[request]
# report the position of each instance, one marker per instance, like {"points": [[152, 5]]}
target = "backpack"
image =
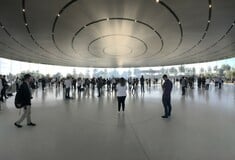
{"points": [[18, 99]]}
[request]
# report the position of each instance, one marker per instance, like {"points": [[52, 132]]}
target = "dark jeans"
{"points": [[183, 90], [142, 87], [121, 102], [220, 85], [166, 100], [99, 91], [3, 93], [67, 90]]}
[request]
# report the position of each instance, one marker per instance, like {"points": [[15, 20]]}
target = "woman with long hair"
{"points": [[121, 93]]}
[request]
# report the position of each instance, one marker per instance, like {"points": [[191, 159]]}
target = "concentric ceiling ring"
{"points": [[74, 1], [117, 50], [119, 19]]}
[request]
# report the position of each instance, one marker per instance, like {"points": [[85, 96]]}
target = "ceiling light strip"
{"points": [[55, 56], [16, 52], [179, 23], [16, 41], [214, 53], [204, 34], [220, 39], [13, 56], [202, 53], [205, 31], [55, 22]]}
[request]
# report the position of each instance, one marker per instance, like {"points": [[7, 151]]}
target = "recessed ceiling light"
{"points": [[135, 20], [210, 6], [58, 15], [179, 22], [23, 10], [157, 1], [209, 21], [107, 19], [26, 24]]}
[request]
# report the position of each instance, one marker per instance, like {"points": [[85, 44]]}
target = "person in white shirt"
{"points": [[121, 94], [207, 83], [67, 84]]}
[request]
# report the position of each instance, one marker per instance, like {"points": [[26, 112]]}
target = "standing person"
{"points": [[99, 86], [203, 81], [57, 82], [79, 84], [67, 84], [43, 80], [199, 82], [121, 94], [93, 82], [1, 87], [5, 86], [17, 83], [220, 81], [26, 97], [207, 83], [142, 84], [114, 83], [74, 81], [1, 99], [149, 82], [166, 96], [183, 85]]}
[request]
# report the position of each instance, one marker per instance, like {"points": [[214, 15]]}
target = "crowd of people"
{"points": [[119, 86], [202, 82]]}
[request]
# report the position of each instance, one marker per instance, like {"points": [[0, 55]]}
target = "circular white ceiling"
{"points": [[117, 33]]}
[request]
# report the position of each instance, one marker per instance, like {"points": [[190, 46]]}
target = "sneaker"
{"points": [[164, 116], [31, 124], [18, 125]]}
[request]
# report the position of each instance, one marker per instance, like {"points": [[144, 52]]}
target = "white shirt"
{"points": [[207, 81], [121, 90], [67, 83]]}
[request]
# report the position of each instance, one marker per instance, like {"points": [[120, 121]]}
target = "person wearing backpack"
{"points": [[26, 97]]}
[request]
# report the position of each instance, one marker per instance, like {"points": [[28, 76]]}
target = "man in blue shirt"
{"points": [[166, 96]]}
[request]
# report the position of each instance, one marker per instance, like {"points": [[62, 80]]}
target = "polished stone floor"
{"points": [[202, 127]]}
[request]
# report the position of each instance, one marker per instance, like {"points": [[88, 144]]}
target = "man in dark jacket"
{"points": [[166, 96], [26, 97], [99, 85], [142, 84], [4, 85]]}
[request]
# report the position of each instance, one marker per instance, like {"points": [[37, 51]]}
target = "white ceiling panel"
{"points": [[117, 33]]}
